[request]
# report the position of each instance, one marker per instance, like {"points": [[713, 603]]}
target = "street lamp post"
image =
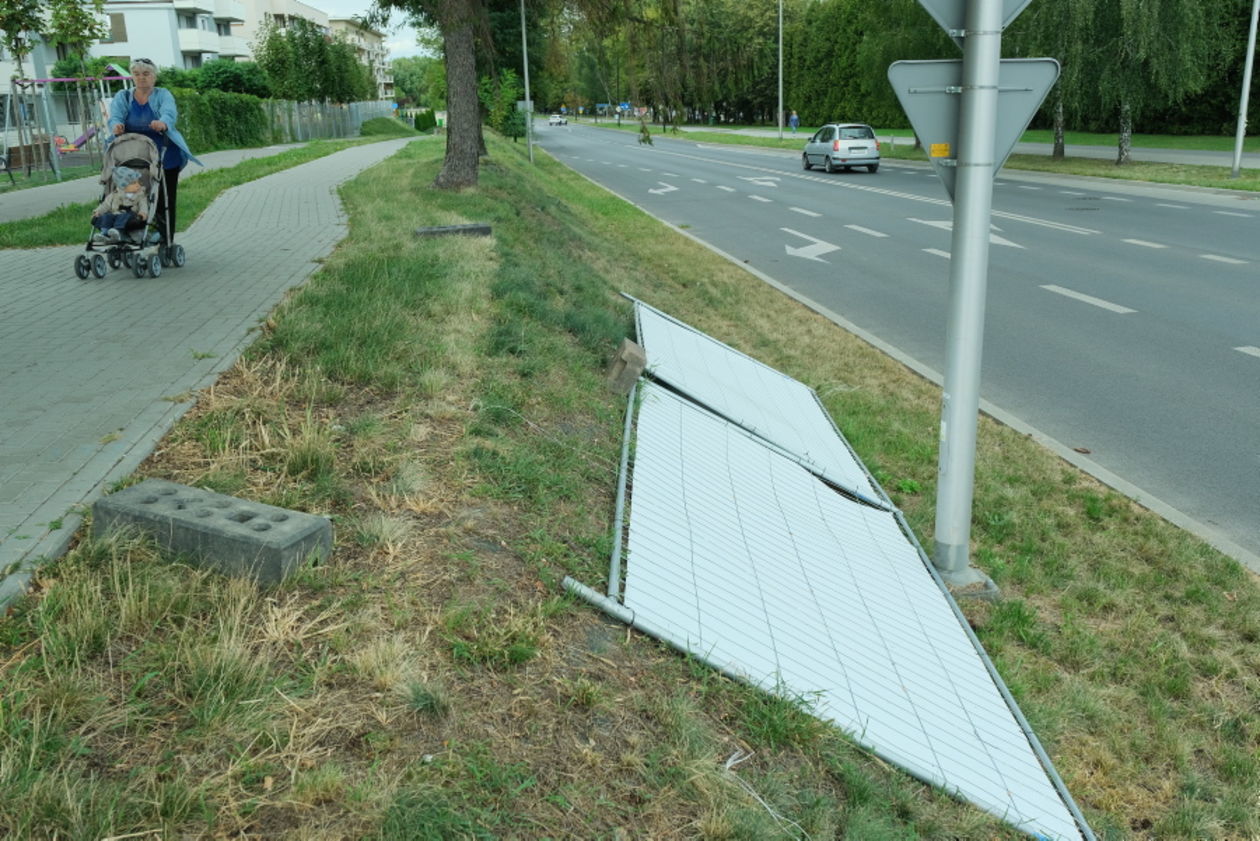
{"points": [[1246, 90], [529, 103], [780, 69]]}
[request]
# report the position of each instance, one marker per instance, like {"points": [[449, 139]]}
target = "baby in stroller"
{"points": [[127, 201]]}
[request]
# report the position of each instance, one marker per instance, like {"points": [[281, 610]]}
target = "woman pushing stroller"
{"points": [[150, 110]]}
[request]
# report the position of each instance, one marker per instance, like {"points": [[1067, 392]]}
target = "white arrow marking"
{"points": [[761, 180], [664, 188], [947, 225], [809, 252]]}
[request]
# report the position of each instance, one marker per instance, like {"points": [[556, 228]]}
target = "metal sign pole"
{"points": [[529, 102], [781, 69], [968, 278], [1246, 90]]}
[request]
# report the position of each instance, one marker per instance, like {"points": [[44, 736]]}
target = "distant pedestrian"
{"points": [[794, 121]]}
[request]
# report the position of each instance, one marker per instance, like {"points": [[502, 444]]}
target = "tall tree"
{"points": [[458, 21], [1059, 29]]}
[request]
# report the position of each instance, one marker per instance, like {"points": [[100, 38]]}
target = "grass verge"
{"points": [[71, 224], [443, 402]]}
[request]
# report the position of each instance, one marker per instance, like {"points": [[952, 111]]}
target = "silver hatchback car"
{"points": [[842, 146]]}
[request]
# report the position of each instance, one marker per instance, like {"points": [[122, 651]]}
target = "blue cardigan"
{"points": [[163, 104]]}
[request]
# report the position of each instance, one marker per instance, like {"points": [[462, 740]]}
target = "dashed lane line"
{"points": [[700, 181], [725, 188], [759, 198], [938, 253], [804, 212], [1143, 243], [1088, 299], [1173, 206], [1249, 350], [1232, 213], [1115, 198], [866, 231], [1219, 259]]}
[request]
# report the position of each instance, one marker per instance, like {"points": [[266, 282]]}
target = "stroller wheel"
{"points": [[178, 257], [115, 259], [138, 265], [126, 259], [98, 265], [155, 266], [82, 266]]}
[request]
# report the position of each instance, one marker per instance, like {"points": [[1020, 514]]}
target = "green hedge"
{"points": [[211, 120]]}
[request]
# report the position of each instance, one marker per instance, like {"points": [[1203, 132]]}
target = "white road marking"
{"points": [[758, 198], [938, 252], [761, 180], [813, 251], [948, 225], [804, 212], [644, 169], [1072, 193], [1144, 243], [1088, 299], [664, 188], [1220, 259], [671, 175], [866, 231], [727, 189], [700, 181], [1028, 187], [1249, 350], [1173, 206], [621, 166], [1115, 198], [995, 183], [1232, 213]]}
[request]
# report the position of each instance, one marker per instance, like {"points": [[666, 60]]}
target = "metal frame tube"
{"points": [[529, 103], [614, 563]]}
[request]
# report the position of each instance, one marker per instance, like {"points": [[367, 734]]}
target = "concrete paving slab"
{"points": [[92, 370]]}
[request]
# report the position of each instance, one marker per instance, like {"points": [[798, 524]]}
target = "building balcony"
{"points": [[229, 10], [233, 46], [199, 41], [194, 7]]}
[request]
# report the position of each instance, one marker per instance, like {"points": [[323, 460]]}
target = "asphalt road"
{"points": [[1122, 319]]}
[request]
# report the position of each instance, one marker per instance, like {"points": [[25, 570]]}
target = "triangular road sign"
{"points": [[952, 14], [929, 92]]}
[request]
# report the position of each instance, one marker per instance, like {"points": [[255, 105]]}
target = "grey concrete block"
{"points": [[232, 536], [474, 230], [627, 366]]}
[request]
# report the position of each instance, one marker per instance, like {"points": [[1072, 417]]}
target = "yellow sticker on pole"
{"points": [[939, 150]]}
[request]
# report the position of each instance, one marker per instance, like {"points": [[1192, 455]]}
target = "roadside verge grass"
{"points": [[442, 401]]}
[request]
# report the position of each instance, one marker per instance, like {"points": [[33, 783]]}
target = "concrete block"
{"points": [[627, 366], [232, 536], [474, 230]]}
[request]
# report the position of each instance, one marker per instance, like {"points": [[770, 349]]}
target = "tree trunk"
{"points": [[463, 136], [1059, 151], [1126, 135]]}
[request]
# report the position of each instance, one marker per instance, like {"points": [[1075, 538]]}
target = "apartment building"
{"points": [[369, 45]]}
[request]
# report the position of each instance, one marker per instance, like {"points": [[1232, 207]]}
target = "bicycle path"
{"points": [[36, 201], [94, 373]]}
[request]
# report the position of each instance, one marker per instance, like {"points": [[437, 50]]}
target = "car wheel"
{"points": [[805, 164], [828, 165], [873, 168]]}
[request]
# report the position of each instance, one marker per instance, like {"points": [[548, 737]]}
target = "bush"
{"points": [[426, 120], [383, 126], [212, 120]]}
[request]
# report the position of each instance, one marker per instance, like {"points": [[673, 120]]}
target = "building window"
{"points": [[187, 21], [224, 28], [117, 29]]}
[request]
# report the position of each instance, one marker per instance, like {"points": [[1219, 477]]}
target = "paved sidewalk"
{"points": [[92, 371], [36, 201]]}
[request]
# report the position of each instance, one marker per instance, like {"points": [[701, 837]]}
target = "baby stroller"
{"points": [[142, 246]]}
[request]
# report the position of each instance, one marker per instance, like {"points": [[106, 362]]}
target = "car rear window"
{"points": [[856, 133]]}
